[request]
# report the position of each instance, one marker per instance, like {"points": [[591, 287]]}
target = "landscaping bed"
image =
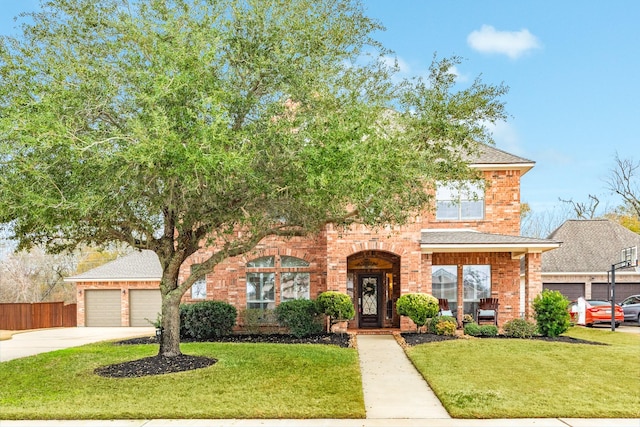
{"points": [[413, 339], [158, 365]]}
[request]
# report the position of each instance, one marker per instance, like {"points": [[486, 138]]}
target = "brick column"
{"points": [[532, 281]]}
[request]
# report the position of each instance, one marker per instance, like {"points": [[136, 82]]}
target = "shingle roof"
{"points": [[489, 155], [470, 240], [588, 246], [139, 265]]}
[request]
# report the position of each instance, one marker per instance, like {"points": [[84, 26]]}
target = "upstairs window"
{"points": [[460, 200]]}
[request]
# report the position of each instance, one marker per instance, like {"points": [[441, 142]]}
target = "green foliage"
{"points": [[488, 330], [551, 313], [472, 329], [337, 305], [519, 328], [256, 320], [300, 316], [122, 119], [418, 307], [207, 319], [445, 325]]}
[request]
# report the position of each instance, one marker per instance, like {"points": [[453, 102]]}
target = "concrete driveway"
{"points": [[43, 340]]}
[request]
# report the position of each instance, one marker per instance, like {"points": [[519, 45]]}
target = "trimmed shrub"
{"points": [[551, 313], [336, 305], [254, 320], [472, 329], [488, 330], [300, 316], [207, 319], [519, 328], [418, 307], [445, 325]]}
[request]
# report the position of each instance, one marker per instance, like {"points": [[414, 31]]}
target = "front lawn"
{"points": [[512, 378], [248, 381]]}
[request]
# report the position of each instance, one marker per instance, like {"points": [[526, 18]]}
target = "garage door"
{"points": [[102, 307], [144, 306], [570, 290], [601, 291]]}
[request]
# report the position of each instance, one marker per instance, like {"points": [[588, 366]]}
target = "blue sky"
{"points": [[571, 66]]}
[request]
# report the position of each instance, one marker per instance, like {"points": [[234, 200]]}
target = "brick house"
{"points": [[581, 266], [465, 249]]}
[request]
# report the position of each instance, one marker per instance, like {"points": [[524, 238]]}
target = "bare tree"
{"points": [[36, 276], [584, 210], [625, 182], [541, 224]]}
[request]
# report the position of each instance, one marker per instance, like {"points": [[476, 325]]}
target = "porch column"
{"points": [[532, 281]]}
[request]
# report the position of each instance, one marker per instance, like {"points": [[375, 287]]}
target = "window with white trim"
{"points": [[265, 273], [460, 200], [477, 285]]}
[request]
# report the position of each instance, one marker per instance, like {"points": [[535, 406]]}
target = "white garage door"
{"points": [[102, 307], [144, 306]]}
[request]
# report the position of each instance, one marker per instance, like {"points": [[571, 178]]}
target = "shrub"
{"points": [[472, 329], [300, 316], [551, 313], [488, 330], [418, 307], [207, 319], [519, 328], [445, 325], [337, 305], [255, 319]]}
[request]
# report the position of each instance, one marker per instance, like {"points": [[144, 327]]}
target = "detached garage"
{"points": [[124, 292]]}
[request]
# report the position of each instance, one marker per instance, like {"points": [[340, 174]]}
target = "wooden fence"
{"points": [[20, 316]]}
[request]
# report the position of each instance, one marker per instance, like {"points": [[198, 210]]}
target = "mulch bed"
{"points": [[158, 365], [414, 339]]}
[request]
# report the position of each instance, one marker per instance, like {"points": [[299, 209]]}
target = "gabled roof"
{"points": [[589, 245], [136, 266], [490, 157], [473, 241]]}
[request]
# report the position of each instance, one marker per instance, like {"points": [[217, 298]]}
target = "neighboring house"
{"points": [[582, 265], [465, 249]]}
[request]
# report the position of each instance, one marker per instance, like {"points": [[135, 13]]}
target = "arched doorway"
{"points": [[374, 285]]}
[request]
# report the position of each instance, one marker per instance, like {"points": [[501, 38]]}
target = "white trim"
{"points": [[113, 279]]}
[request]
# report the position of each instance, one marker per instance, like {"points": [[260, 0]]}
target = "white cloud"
{"points": [[511, 43]]}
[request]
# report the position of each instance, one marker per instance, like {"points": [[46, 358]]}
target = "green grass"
{"points": [[248, 381], [497, 378]]}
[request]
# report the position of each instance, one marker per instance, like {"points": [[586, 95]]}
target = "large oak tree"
{"points": [[172, 125]]}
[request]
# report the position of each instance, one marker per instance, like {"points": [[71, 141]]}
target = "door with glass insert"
{"points": [[370, 300]]}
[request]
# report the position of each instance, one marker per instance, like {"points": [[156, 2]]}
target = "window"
{"points": [[444, 282], [199, 287], [477, 285], [290, 273], [460, 200]]}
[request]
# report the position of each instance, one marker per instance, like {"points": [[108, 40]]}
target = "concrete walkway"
{"points": [[394, 393], [392, 386]]}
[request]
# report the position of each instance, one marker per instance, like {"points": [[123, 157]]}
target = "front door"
{"points": [[370, 285]]}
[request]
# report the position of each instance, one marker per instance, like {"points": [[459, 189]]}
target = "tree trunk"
{"points": [[170, 336], [171, 297]]}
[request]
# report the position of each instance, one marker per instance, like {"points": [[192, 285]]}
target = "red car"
{"points": [[595, 312]]}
